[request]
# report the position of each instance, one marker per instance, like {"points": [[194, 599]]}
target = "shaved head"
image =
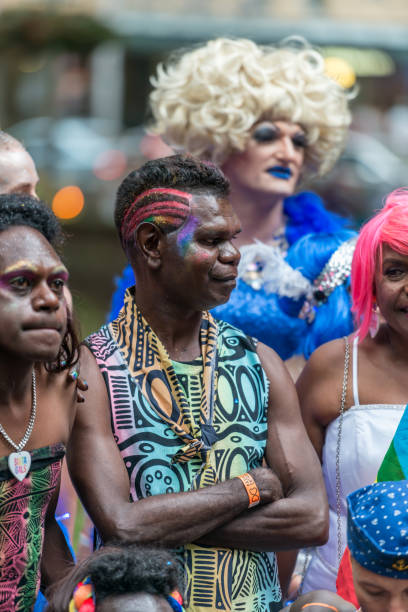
{"points": [[7, 141], [17, 170]]}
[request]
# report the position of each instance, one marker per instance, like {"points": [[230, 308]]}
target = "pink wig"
{"points": [[388, 226]]}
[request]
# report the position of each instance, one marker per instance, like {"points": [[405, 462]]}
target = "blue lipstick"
{"points": [[282, 172]]}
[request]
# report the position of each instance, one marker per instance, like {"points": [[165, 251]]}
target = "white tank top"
{"points": [[367, 433]]}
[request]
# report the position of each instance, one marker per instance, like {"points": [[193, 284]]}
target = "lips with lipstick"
{"points": [[282, 172]]}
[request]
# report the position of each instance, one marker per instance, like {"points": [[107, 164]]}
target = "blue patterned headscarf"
{"points": [[377, 530]]}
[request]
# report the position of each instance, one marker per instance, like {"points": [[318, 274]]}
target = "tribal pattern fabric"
{"points": [[216, 578], [23, 507], [151, 367]]}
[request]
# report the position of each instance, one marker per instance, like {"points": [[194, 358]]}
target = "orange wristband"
{"points": [[251, 488], [319, 603]]}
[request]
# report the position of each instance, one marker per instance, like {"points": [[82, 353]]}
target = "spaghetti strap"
{"points": [[355, 372]]}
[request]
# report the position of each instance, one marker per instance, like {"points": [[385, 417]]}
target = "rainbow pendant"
{"points": [[19, 464]]}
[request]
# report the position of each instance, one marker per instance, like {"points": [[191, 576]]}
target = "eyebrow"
{"points": [[215, 233], [61, 269], [20, 265], [395, 260], [299, 130], [373, 586], [24, 266]]}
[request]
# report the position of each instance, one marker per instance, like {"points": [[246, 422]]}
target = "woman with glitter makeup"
{"points": [[269, 116], [353, 391], [37, 399]]}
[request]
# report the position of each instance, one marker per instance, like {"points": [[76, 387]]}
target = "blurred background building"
{"points": [[74, 80]]}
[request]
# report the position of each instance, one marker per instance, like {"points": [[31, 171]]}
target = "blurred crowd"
{"points": [[236, 429]]}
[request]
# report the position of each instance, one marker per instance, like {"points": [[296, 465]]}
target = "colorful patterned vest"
{"points": [[216, 578]]}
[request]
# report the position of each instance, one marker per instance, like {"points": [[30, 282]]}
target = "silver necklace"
{"points": [[20, 462]]}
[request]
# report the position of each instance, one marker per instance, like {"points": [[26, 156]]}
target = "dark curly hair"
{"points": [[17, 209], [119, 570], [176, 172]]}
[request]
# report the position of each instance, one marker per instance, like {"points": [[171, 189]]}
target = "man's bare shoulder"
{"points": [[86, 356], [267, 355], [273, 365], [96, 403]]}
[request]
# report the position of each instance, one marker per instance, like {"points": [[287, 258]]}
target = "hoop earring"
{"points": [[374, 321]]}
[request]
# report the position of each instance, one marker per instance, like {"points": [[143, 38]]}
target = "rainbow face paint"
{"points": [[185, 235], [165, 207]]}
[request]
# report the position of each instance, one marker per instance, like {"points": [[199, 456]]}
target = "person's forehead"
{"points": [[16, 165], [22, 243], [289, 127], [386, 256], [363, 575], [15, 156], [210, 209], [138, 602], [389, 252]]}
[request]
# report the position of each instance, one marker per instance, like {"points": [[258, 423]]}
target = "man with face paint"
{"points": [[205, 420]]}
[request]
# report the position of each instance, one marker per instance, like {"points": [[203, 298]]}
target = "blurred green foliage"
{"points": [[35, 30]]}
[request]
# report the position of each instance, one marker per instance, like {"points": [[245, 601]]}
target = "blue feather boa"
{"points": [[307, 215]]}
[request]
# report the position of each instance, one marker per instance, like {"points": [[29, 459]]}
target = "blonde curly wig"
{"points": [[207, 100]]}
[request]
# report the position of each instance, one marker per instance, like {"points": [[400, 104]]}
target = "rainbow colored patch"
{"points": [[165, 207]]}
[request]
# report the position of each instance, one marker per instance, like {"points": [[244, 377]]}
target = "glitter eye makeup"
{"points": [[266, 133], [60, 273], [20, 274], [300, 140], [17, 276]]}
